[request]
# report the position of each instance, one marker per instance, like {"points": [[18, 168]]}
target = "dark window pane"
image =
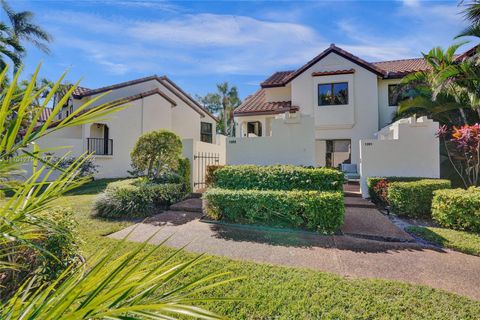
{"points": [[333, 94], [340, 91], [324, 94], [206, 133]]}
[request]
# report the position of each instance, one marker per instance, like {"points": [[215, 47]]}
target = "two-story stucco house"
{"points": [[154, 103], [338, 99]]}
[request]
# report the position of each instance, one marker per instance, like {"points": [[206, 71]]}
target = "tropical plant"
{"points": [[224, 101], [156, 153], [128, 287], [10, 48], [440, 91], [472, 14], [24, 29], [463, 150]]}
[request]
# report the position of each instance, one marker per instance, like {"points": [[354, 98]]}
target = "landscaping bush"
{"points": [[62, 247], [457, 208], [184, 173], [137, 198], [311, 210], [373, 181], [278, 177], [414, 199], [210, 174]]}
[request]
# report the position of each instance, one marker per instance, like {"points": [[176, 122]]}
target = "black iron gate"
{"points": [[200, 161]]}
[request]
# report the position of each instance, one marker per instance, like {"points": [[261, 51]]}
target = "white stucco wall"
{"points": [[292, 142], [355, 121], [407, 148], [385, 111], [278, 93]]}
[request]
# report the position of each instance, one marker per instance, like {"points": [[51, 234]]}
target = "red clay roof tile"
{"points": [[257, 104]]}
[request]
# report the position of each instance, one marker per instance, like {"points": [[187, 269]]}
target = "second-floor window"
{"points": [[206, 134], [333, 94]]}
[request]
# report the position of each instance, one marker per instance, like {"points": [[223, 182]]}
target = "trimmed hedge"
{"points": [[372, 182], [210, 174], [457, 208], [311, 210], [137, 198], [414, 199], [278, 177]]}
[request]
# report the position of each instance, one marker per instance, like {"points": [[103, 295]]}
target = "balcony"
{"points": [[100, 146]]}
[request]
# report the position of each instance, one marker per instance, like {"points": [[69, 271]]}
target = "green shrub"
{"points": [[373, 181], [156, 152], [184, 173], [278, 177], [137, 198], [414, 199], [311, 210], [457, 208], [62, 246], [210, 174]]}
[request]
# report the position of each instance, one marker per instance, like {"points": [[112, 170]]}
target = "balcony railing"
{"points": [[100, 147]]}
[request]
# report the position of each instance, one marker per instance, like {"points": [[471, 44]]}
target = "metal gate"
{"points": [[200, 161]]}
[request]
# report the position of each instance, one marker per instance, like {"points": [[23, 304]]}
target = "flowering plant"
{"points": [[463, 150]]}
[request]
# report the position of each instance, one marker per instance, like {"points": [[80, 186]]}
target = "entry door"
{"points": [[337, 152]]}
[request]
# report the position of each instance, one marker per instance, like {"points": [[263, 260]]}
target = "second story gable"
{"points": [[337, 88]]}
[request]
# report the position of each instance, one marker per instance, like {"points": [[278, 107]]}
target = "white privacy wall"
{"points": [[406, 148], [292, 142]]}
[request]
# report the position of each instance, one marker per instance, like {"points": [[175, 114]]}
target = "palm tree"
{"points": [[9, 48], [24, 29], [225, 100], [448, 84], [471, 13]]}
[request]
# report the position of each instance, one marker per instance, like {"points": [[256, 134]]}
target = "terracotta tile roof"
{"points": [[80, 91], [257, 104], [278, 78], [385, 69], [331, 73], [400, 68], [164, 80], [46, 112]]}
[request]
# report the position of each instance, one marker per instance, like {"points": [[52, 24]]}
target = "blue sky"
{"points": [[198, 44]]}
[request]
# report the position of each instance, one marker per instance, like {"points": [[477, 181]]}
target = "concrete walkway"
{"points": [[343, 255]]}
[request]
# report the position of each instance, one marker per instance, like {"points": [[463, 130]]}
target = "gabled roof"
{"points": [[257, 104], [384, 69], [280, 79], [164, 80]]}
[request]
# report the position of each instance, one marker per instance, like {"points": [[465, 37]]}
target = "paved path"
{"points": [[344, 255]]}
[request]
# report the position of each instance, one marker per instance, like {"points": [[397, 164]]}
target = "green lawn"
{"points": [[467, 242], [288, 293]]}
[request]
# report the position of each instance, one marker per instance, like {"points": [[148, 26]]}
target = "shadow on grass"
{"points": [[302, 239], [428, 235], [93, 187]]}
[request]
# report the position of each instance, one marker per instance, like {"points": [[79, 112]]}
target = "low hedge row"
{"points": [[457, 208], [278, 177], [372, 182], [311, 210], [414, 199], [137, 198]]}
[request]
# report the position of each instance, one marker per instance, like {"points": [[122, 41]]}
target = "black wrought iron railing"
{"points": [[99, 146]]}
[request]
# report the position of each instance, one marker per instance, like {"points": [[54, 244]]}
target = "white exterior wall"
{"points": [[355, 121], [278, 93], [292, 142], [385, 111], [407, 148], [125, 127], [192, 148]]}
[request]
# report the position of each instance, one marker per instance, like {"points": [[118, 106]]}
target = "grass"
{"points": [[276, 292], [463, 241]]}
